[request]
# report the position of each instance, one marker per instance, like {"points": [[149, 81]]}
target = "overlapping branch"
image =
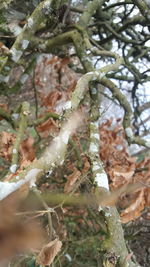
{"points": [[55, 152]]}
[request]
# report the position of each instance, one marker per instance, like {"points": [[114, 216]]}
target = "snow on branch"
{"points": [[52, 157]]}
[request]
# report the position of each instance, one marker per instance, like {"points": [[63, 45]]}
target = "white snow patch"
{"points": [[95, 124], [25, 44], [46, 4], [100, 208], [48, 173], [90, 73], [102, 180], [30, 22], [68, 257], [107, 214], [129, 132], [147, 144], [15, 29], [63, 105], [147, 43], [16, 54], [61, 163], [96, 167], [13, 168], [7, 68], [15, 116], [7, 188], [67, 105], [23, 78], [119, 147], [93, 148], [93, 91], [95, 135], [31, 176], [88, 51], [4, 78]]}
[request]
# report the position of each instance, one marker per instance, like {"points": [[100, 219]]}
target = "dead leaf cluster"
{"points": [[122, 170]]}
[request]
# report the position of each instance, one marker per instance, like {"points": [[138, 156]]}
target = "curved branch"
{"points": [[144, 9], [128, 113]]}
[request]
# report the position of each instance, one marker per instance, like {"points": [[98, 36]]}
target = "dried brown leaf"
{"points": [[6, 144], [51, 99], [126, 175], [46, 127], [134, 210], [71, 180], [5, 108], [27, 149], [86, 166], [49, 252]]}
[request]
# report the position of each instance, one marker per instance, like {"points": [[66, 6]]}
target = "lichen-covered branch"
{"points": [[5, 115], [90, 9], [99, 175], [48, 115], [51, 158], [7, 90], [114, 245], [42, 12], [23, 122]]}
